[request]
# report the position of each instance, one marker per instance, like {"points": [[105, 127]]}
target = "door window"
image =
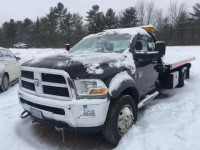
{"points": [[142, 44], [6, 55], [11, 55]]}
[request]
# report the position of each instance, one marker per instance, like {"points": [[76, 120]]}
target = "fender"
{"points": [[125, 85]]}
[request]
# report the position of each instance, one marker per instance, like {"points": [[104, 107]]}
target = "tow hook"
{"points": [[24, 114]]}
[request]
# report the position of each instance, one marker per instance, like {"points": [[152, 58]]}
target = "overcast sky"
{"points": [[21, 9]]}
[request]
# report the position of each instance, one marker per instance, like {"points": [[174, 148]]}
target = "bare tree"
{"points": [[159, 20], [147, 12], [175, 10], [151, 13], [182, 8], [140, 7]]}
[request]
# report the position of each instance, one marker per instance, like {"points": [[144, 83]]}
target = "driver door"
{"points": [[146, 75]]}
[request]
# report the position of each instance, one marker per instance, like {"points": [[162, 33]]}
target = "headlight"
{"points": [[90, 87]]}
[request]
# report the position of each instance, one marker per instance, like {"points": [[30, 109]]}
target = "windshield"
{"points": [[117, 43]]}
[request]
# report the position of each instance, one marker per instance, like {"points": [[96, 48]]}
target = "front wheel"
{"points": [[121, 116], [5, 83]]}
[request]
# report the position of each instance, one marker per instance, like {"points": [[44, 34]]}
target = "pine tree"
{"points": [[95, 20], [182, 19], [78, 24], [68, 24], [181, 22], [9, 30], [196, 9], [129, 18], [37, 36], [111, 20], [27, 22], [60, 12], [49, 26], [1, 38]]}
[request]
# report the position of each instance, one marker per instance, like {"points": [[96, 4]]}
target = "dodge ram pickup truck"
{"points": [[100, 83]]}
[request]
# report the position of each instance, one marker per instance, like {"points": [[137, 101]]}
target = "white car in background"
{"points": [[9, 68], [21, 45]]}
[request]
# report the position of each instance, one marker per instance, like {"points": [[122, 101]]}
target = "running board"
{"points": [[147, 99]]}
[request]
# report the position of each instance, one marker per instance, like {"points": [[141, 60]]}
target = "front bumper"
{"points": [[75, 113]]}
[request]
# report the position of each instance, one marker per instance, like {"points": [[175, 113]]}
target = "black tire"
{"points": [[182, 77], [5, 83], [111, 131]]}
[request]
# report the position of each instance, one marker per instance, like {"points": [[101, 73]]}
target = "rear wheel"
{"points": [[182, 77], [121, 116], [5, 83]]}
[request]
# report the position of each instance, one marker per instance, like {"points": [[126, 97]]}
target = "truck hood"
{"points": [[82, 66]]}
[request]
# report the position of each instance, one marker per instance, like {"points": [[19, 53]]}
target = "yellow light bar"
{"points": [[149, 28]]}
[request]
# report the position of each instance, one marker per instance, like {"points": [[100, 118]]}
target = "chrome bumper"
{"points": [[77, 113]]}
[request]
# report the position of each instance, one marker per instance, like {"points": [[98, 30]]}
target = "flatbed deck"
{"points": [[175, 63]]}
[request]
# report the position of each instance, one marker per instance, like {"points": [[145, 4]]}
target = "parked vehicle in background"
{"points": [[21, 45], [9, 69]]}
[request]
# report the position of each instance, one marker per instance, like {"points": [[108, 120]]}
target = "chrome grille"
{"points": [[46, 83], [28, 85], [53, 78], [27, 74], [59, 91]]}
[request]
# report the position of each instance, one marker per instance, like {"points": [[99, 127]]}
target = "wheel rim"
{"points": [[125, 119], [5, 83]]}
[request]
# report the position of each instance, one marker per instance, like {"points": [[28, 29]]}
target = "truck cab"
{"points": [[98, 85]]}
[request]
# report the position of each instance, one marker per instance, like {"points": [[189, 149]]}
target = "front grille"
{"points": [[27, 74], [57, 91], [28, 85], [49, 84], [54, 110], [53, 78]]}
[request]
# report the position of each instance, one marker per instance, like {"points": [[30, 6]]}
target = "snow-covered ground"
{"points": [[166, 123]]}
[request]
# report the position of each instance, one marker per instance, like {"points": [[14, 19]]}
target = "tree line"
{"points": [[60, 26]]}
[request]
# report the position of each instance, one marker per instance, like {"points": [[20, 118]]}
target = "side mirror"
{"points": [[67, 47], [18, 58], [160, 46]]}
